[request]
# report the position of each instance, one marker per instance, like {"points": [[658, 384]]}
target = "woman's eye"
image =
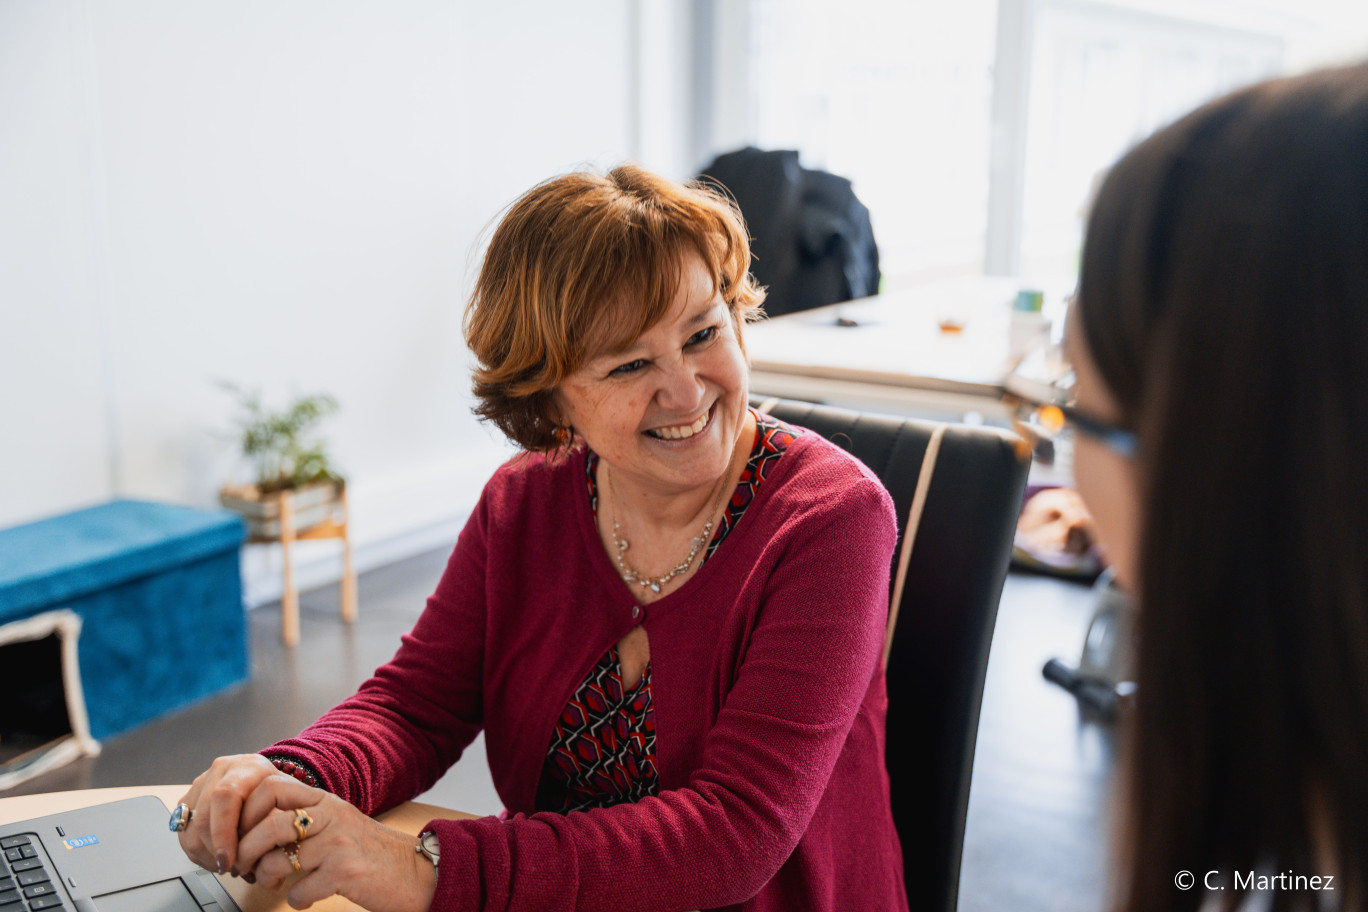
{"points": [[630, 367], [703, 335]]}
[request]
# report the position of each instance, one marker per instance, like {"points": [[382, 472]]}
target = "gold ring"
{"points": [[292, 853], [302, 822]]}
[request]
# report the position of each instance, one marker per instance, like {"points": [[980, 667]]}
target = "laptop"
{"points": [[117, 857]]}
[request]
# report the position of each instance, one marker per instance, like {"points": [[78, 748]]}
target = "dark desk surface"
{"points": [[1037, 834]]}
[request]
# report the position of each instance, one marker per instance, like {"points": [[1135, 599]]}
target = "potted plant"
{"points": [[285, 459]]}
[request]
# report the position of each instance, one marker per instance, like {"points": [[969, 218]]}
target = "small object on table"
{"points": [[1029, 327], [1029, 300]]}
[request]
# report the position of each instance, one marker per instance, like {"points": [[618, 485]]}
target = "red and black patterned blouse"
{"points": [[602, 751]]}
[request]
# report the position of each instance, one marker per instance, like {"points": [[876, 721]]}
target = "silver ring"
{"points": [[181, 817]]}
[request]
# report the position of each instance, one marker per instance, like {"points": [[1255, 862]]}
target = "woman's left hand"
{"points": [[343, 852]]}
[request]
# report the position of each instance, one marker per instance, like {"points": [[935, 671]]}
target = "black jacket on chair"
{"points": [[813, 243]]}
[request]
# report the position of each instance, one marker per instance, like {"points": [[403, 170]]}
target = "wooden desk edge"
{"points": [[990, 390]]}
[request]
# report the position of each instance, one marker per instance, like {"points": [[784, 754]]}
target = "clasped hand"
{"points": [[244, 824]]}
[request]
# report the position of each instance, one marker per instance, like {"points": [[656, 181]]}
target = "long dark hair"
{"points": [[1224, 300]]}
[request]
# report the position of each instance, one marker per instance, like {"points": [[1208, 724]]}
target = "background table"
{"points": [[895, 356], [409, 817]]}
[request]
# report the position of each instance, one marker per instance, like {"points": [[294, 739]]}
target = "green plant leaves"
{"points": [[276, 441]]}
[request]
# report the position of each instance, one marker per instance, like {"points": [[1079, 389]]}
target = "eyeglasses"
{"points": [[1049, 405]]}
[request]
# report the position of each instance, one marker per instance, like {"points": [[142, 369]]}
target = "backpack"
{"points": [[812, 241]]}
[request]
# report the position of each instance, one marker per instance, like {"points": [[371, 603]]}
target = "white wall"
{"points": [[54, 443], [286, 195]]}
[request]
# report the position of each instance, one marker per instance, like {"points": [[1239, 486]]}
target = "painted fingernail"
{"points": [[222, 857], [250, 878]]}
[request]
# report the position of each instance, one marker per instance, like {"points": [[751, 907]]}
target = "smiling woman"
{"points": [[668, 418], [666, 616]]}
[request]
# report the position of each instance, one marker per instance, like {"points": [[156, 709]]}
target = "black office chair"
{"points": [[941, 623]]}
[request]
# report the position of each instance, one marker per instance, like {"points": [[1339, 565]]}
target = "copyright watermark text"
{"points": [[1286, 881]]}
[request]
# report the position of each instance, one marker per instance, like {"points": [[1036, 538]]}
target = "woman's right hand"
{"points": [[216, 797]]}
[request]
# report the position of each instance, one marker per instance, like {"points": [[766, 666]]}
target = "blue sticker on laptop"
{"points": [[80, 842]]}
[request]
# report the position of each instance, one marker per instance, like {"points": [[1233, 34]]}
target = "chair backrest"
{"points": [[944, 624]]}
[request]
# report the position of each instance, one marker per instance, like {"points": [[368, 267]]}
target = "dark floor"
{"points": [[1035, 837], [1036, 834]]}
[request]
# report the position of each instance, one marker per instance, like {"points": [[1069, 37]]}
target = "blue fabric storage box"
{"points": [[159, 591]]}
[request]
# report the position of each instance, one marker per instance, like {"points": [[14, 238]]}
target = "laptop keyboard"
{"points": [[25, 881]]}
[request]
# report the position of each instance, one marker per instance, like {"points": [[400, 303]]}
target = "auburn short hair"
{"points": [[585, 263]]}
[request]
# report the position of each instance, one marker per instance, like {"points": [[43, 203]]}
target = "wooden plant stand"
{"points": [[287, 531]]}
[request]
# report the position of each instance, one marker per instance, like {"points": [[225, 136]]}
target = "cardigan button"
{"points": [[636, 611]]}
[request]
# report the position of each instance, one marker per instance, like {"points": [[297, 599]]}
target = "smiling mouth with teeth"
{"points": [[681, 432]]}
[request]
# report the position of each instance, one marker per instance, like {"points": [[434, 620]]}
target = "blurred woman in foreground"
{"points": [[1220, 343]]}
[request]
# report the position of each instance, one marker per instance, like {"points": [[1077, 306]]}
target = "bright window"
{"points": [[899, 97], [896, 97], [1102, 80]]}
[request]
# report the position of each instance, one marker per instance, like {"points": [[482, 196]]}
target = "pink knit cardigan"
{"points": [[769, 703]]}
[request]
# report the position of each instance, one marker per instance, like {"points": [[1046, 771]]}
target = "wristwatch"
{"points": [[431, 848]]}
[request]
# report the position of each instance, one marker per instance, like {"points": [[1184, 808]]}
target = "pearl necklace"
{"points": [[655, 583]]}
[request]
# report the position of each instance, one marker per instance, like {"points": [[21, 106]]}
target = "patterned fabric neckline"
{"points": [[602, 751]]}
